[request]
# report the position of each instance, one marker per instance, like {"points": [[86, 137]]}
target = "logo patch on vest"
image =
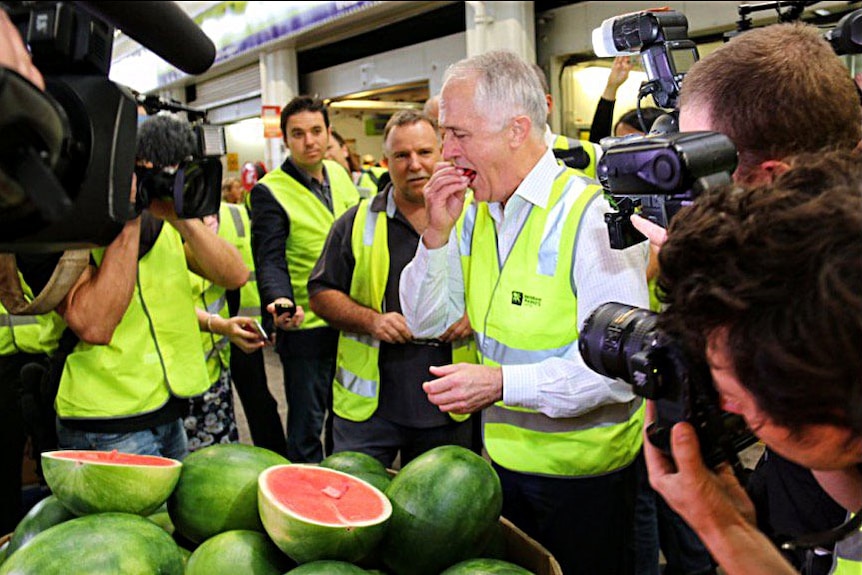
{"points": [[518, 298]]}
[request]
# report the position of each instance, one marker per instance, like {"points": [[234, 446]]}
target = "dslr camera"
{"points": [[660, 36], [622, 341], [67, 154], [658, 174]]}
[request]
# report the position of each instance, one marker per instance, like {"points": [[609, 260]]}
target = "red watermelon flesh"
{"points": [[115, 457], [315, 513]]}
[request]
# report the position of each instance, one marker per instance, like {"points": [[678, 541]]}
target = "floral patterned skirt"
{"points": [[210, 419]]}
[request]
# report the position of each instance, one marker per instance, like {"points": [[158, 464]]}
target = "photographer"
{"points": [[133, 344], [817, 110], [732, 270]]}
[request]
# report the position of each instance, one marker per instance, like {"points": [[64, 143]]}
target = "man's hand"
{"points": [[619, 74], [391, 327], [13, 53], [656, 234], [464, 387], [285, 321], [444, 200], [461, 329], [242, 333], [706, 500]]}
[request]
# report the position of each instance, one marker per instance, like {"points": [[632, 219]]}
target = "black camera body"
{"points": [[658, 174], [661, 39], [622, 341]]}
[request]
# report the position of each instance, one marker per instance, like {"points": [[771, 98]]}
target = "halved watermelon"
{"points": [[315, 513], [100, 481]]}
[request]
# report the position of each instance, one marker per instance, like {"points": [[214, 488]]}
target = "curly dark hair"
{"points": [[303, 104], [165, 141], [780, 268]]}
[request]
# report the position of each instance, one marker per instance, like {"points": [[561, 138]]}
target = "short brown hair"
{"points": [[405, 118], [776, 91]]}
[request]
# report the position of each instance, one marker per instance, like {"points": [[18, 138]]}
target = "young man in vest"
{"points": [[293, 208], [818, 110], [789, 365], [380, 408], [529, 259], [137, 358]]}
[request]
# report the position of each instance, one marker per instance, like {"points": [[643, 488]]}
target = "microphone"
{"points": [[162, 27]]}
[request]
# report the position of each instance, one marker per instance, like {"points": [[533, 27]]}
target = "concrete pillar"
{"points": [[501, 26], [279, 83]]}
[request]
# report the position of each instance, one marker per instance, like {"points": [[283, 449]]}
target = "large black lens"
{"points": [[197, 188], [612, 335]]}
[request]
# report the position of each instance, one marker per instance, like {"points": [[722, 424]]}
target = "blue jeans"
{"points": [[167, 440], [308, 389]]}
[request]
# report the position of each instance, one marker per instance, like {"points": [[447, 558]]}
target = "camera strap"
{"points": [[825, 538], [67, 271]]}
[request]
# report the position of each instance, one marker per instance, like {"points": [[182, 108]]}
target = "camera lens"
{"points": [[611, 337]]}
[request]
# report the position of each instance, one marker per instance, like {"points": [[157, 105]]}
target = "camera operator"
{"points": [[133, 343], [732, 270], [733, 91]]}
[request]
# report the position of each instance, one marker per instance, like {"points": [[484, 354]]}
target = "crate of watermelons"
{"points": [[237, 508]]}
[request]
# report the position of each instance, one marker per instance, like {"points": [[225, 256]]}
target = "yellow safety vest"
{"points": [[847, 555], [356, 389], [592, 150], [235, 227], [309, 225], [368, 179], [28, 333], [211, 298], [525, 312], [155, 351]]}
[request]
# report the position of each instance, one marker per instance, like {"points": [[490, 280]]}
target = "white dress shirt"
{"points": [[432, 297]]}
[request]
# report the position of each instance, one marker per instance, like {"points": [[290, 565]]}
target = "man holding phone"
{"points": [[293, 208]]}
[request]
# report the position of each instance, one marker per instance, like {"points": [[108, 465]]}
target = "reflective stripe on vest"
{"points": [[356, 389], [155, 350], [592, 150], [28, 333], [526, 311], [310, 222], [212, 299], [234, 226], [847, 555]]}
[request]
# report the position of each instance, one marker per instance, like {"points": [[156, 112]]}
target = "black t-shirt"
{"points": [[37, 270], [403, 367]]}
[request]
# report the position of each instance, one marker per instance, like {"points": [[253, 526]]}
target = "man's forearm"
{"points": [[342, 312], [211, 256], [95, 305]]}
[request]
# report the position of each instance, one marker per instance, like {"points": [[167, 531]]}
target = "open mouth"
{"points": [[471, 174]]}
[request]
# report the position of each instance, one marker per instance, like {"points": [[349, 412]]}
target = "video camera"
{"points": [[622, 341], [660, 36], [67, 154], [658, 174]]}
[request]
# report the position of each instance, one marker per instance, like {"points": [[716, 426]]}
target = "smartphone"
{"points": [[281, 308], [260, 331]]}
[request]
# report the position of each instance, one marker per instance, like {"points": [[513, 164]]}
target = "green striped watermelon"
{"points": [[486, 567], [118, 543], [327, 568], [99, 481], [359, 465], [238, 552], [43, 515], [315, 513]]}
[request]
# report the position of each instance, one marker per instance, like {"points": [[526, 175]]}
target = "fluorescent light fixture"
{"points": [[378, 105]]}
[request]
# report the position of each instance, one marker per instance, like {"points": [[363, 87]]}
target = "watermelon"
{"points": [[4, 551], [99, 481], [238, 552], [444, 503], [486, 567], [45, 514], [314, 513], [217, 490], [98, 543], [359, 465], [327, 568], [163, 520]]}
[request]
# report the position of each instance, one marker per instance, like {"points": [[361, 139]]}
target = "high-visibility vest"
{"points": [[368, 179], [310, 221], [525, 312], [155, 351], [235, 227], [211, 298], [32, 334], [584, 160], [356, 389], [847, 555]]}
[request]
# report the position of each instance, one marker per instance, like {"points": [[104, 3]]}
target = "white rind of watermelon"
{"points": [[89, 482], [306, 539]]}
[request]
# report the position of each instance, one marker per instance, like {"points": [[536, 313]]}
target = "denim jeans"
{"points": [[167, 440]]}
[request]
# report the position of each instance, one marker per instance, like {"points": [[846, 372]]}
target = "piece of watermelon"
{"points": [[217, 490], [486, 567], [327, 568], [315, 513], [98, 543], [47, 513], [444, 504], [101, 481], [239, 552]]}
